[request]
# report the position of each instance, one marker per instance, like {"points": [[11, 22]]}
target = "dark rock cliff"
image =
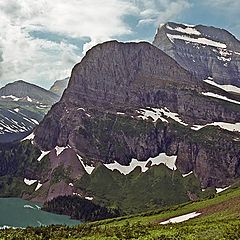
{"points": [[98, 114]]}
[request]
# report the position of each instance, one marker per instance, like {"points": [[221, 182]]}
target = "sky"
{"points": [[41, 40]]}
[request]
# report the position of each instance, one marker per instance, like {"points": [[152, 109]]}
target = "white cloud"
{"points": [[160, 11], [41, 61]]}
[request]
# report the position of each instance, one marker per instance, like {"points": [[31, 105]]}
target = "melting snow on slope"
{"points": [[169, 161], [181, 218], [29, 99], [38, 186], [218, 190], [29, 182], [88, 169], [35, 121], [42, 155], [29, 137], [201, 40], [209, 94], [188, 30], [155, 114], [227, 88], [89, 198], [227, 126], [59, 150], [187, 174], [12, 97], [159, 113]]}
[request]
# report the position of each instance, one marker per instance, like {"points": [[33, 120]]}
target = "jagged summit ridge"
{"points": [[204, 51]]}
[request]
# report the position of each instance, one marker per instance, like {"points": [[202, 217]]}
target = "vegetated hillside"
{"points": [[26, 173], [78, 208], [218, 219], [22, 107], [205, 51]]}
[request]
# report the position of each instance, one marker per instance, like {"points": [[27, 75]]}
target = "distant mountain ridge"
{"points": [[22, 89], [205, 51], [22, 107]]}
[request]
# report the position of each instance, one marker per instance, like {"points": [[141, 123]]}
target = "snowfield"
{"points": [[181, 218]]}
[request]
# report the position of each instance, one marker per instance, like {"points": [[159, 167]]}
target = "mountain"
{"points": [[131, 105], [27, 92], [22, 107], [204, 51], [59, 86], [133, 130]]}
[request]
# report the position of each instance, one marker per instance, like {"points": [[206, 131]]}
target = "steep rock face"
{"points": [[98, 115], [204, 51]]}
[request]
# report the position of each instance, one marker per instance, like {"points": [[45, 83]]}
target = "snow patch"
{"points": [[187, 174], [88, 169], [29, 99], [77, 194], [169, 161], [181, 218], [29, 137], [35, 121], [38, 186], [218, 190], [14, 98], [209, 94], [159, 113], [201, 40], [227, 88], [233, 127], [89, 198], [43, 154], [155, 114], [188, 30], [59, 150], [29, 182]]}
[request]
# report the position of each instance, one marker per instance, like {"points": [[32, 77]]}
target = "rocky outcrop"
{"points": [[59, 86], [98, 114], [204, 51]]}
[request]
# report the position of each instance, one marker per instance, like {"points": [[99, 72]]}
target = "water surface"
{"points": [[15, 212]]}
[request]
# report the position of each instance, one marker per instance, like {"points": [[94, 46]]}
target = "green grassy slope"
{"points": [[219, 219]]}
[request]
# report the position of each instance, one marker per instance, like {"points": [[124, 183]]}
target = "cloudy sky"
{"points": [[41, 40]]}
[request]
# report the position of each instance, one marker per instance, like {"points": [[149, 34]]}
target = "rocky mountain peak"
{"points": [[205, 51], [114, 73]]}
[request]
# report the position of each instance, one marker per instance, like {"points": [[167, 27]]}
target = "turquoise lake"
{"points": [[15, 212]]}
